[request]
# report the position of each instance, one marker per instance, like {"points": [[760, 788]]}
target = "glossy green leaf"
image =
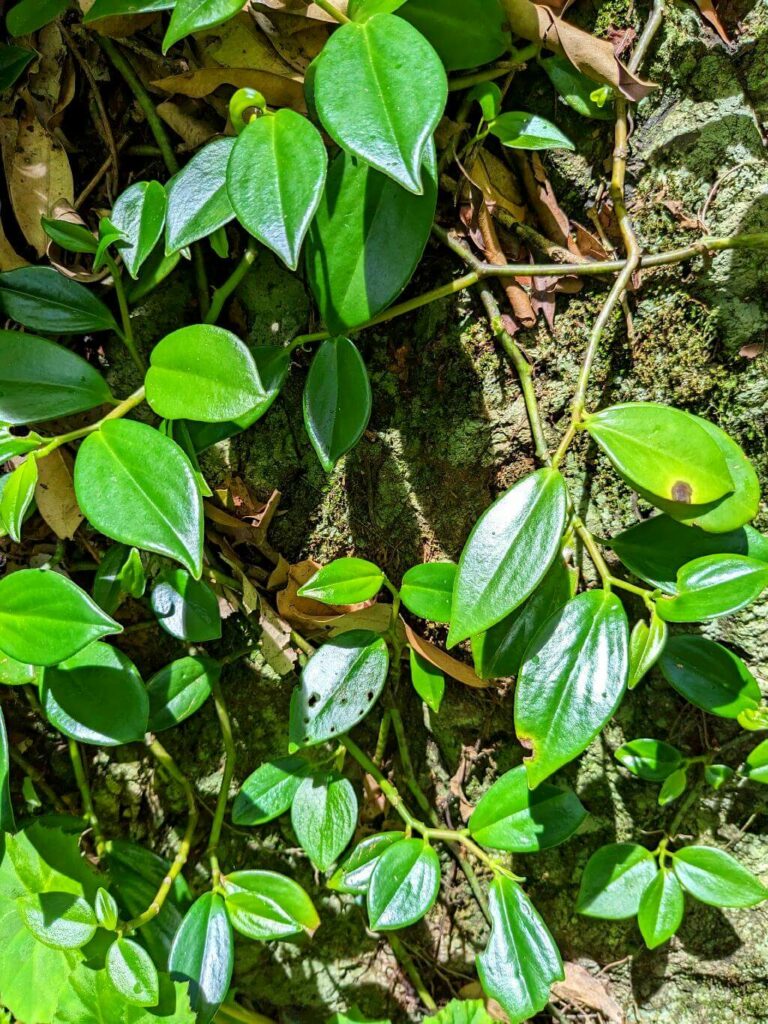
{"points": [[362, 10], [718, 775], [17, 496], [465, 33], [519, 130], [265, 905], [403, 886], [324, 816], [194, 15], [753, 719], [44, 300], [614, 880], [70, 237], [185, 607], [179, 690], [28, 16], [13, 62], [152, 274], [120, 573], [513, 817], [508, 552], [137, 486], [89, 996], [709, 676], [462, 1011], [714, 585], [132, 972], [428, 681], [96, 697], [269, 791], [198, 201], [490, 98], [646, 642], [139, 213], [715, 877], [277, 205], [106, 909], [361, 81], [110, 8], [572, 680], [757, 763], [109, 235], [498, 652], [17, 673], [40, 380], [673, 787], [46, 618], [661, 910], [7, 821], [354, 873], [353, 269], [576, 89], [339, 685], [521, 961], [12, 443], [58, 919], [203, 955], [664, 451], [344, 581], [337, 400], [652, 760], [427, 590]]}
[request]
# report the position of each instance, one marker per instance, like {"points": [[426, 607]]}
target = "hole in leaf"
{"points": [[314, 698]]}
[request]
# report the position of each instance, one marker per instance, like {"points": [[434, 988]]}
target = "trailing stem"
{"points": [[83, 785], [225, 725]]}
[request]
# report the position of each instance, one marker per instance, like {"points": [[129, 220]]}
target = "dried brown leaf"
{"points": [[445, 662], [709, 14], [55, 494], [586, 989]]}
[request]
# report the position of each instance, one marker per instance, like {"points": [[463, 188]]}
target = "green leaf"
{"points": [[715, 877], [339, 686], [428, 681], [353, 1016], [714, 585], [337, 400], [17, 496], [203, 955], [354, 873], [663, 451], [269, 791], [344, 581], [465, 33], [512, 817], [427, 590], [139, 213], [462, 1011], [508, 552], [7, 820], [265, 905], [109, 235], [362, 10], [179, 690], [757, 763], [40, 380], [490, 98], [709, 676], [58, 919], [404, 885], [198, 201], [652, 760], [96, 697], [194, 15], [137, 486], [575, 88], [519, 130], [362, 79], [717, 775], [521, 961], [70, 237], [353, 268], [44, 300], [277, 207], [30, 15], [17, 673], [132, 972], [661, 910], [119, 574], [106, 910], [186, 608], [646, 643], [572, 680], [673, 787], [110, 8], [90, 996], [614, 880], [324, 816], [12, 444], [657, 548], [498, 652], [46, 618], [13, 62]]}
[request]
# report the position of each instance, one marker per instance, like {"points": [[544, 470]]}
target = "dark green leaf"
{"points": [[715, 877], [132, 972], [508, 552], [614, 880], [714, 585], [106, 910], [513, 817], [186, 608], [324, 816], [572, 679], [139, 214], [427, 590], [119, 574], [673, 787], [96, 697], [44, 300], [521, 961], [194, 15], [661, 909], [46, 618], [203, 955], [339, 686], [646, 643], [709, 676], [652, 760], [757, 763], [70, 237], [198, 202], [354, 873], [362, 79], [28, 16], [465, 33], [58, 919], [110, 8], [179, 690], [7, 821], [576, 89], [269, 791], [404, 885], [337, 400], [137, 486], [428, 681], [353, 269], [13, 61], [265, 905], [17, 496], [519, 130], [717, 775], [344, 581]]}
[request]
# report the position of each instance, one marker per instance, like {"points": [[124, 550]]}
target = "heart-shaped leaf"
{"points": [[646, 643], [427, 590], [465, 33], [709, 676], [404, 885], [337, 400], [519, 130], [652, 760], [714, 585], [614, 880], [179, 690], [58, 919], [195, 15], [354, 873], [139, 214], [44, 300], [324, 817], [186, 608], [715, 877], [198, 201], [344, 581], [661, 910], [203, 954], [269, 791], [132, 972], [265, 905]]}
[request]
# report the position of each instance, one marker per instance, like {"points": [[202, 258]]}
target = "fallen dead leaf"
{"points": [[276, 641], [584, 989], [55, 494], [709, 14], [279, 91], [451, 666], [188, 122]]}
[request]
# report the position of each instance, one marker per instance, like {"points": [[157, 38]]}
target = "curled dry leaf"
{"points": [[709, 14], [51, 81], [301, 9], [240, 43], [55, 494], [189, 122], [280, 91], [584, 989], [120, 26], [72, 265], [296, 40], [276, 640], [451, 666]]}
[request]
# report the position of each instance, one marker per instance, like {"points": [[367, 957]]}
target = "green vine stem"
{"points": [[405, 959], [126, 334], [119, 411], [225, 725], [222, 294], [89, 813], [329, 8]]}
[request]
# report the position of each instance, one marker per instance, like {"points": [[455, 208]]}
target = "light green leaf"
{"points": [[265, 905], [709, 676], [614, 880], [324, 817], [652, 760], [519, 130], [186, 608], [465, 33], [673, 787], [757, 763], [268, 792], [194, 15], [427, 590], [17, 673], [428, 681], [576, 89], [714, 585], [203, 955], [106, 910], [119, 574], [139, 213], [17, 496], [354, 873], [461, 1011], [404, 885], [179, 690], [44, 300], [662, 906], [646, 643], [12, 445], [58, 919], [715, 877], [132, 972], [337, 400], [718, 775], [198, 201], [490, 98], [344, 581]]}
